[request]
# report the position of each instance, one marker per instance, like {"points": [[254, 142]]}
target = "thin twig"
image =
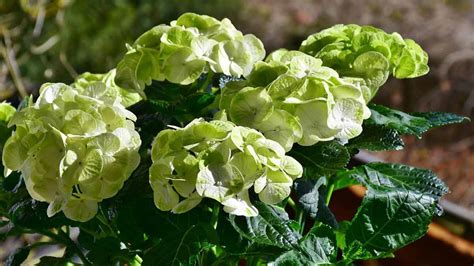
{"points": [[9, 56]]}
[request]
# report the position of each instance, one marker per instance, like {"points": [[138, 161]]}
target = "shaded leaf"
{"points": [[270, 227], [317, 248], [321, 159]]}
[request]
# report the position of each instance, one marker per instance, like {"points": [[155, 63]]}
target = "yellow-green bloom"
{"points": [[221, 161], [74, 146]]}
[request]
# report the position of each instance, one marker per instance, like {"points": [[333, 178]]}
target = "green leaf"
{"points": [[397, 176], [105, 251], [270, 227], [308, 194], [317, 248], [321, 159], [438, 119], [29, 213], [311, 196], [53, 261], [377, 138], [386, 221], [184, 238], [402, 122], [412, 124]]}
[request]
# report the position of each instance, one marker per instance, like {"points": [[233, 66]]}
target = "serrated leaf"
{"points": [[398, 176], [377, 138], [402, 122], [321, 159], [184, 238], [270, 227], [317, 248], [411, 124], [386, 221], [438, 119]]}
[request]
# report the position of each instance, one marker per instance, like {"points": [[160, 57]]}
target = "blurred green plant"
{"points": [[55, 40]]}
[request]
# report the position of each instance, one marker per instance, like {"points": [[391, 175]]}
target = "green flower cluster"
{"points": [[221, 161], [291, 98], [6, 113], [182, 51], [74, 147], [126, 97], [368, 53]]}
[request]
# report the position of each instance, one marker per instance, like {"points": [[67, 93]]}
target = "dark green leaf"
{"points": [[270, 227], [386, 221], [400, 121], [105, 251], [412, 124], [311, 196], [308, 194], [184, 238], [438, 119], [12, 182], [384, 175], [53, 261], [29, 213], [317, 248], [321, 159], [377, 138]]}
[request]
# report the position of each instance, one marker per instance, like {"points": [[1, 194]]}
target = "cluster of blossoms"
{"points": [[75, 146], [128, 98], [182, 51], [221, 161], [291, 98], [368, 53]]}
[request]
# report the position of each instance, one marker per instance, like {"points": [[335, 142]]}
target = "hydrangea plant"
{"points": [[194, 120]]}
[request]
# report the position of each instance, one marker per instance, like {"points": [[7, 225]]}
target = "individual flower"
{"points": [[291, 98], [367, 53], [221, 161], [74, 146], [182, 51]]}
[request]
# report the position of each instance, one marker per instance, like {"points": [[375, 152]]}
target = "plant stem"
{"points": [[301, 220], [73, 245], [328, 196], [292, 204], [63, 238], [215, 215]]}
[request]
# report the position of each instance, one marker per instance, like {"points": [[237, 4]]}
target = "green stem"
{"points": [[292, 204], [328, 196], [105, 222], [215, 215], [64, 239], [73, 245], [301, 220]]}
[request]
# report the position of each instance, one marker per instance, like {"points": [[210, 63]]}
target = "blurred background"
{"points": [[55, 40]]}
